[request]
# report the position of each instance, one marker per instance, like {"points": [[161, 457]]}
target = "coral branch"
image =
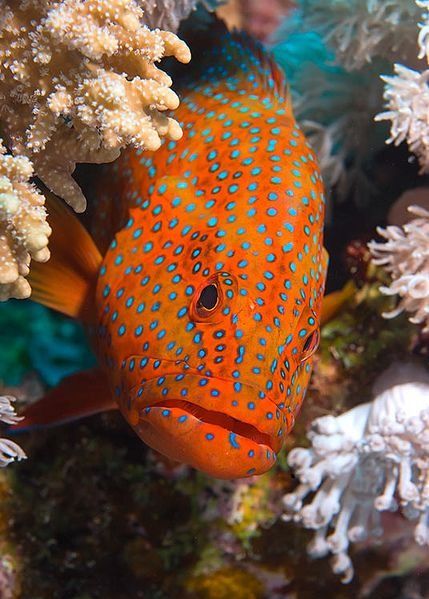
{"points": [[79, 82], [24, 231]]}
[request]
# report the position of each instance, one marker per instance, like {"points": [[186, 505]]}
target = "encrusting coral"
{"points": [[24, 231], [78, 82], [405, 255], [373, 458]]}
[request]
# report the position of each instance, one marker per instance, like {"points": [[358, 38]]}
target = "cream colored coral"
{"points": [[24, 231], [78, 82], [405, 256]]}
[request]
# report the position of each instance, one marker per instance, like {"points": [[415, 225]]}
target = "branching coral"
{"points": [[405, 255], [24, 231], [9, 451], [79, 82], [372, 458]]}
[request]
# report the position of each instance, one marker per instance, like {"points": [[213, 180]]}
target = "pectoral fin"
{"points": [[77, 396], [66, 281], [333, 302]]}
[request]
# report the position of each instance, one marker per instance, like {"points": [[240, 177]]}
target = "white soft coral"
{"points": [[9, 450], [372, 458], [405, 256], [359, 30], [406, 95]]}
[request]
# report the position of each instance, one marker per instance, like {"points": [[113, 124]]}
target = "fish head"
{"points": [[208, 326]]}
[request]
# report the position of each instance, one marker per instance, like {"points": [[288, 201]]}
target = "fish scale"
{"points": [[202, 284], [241, 207]]}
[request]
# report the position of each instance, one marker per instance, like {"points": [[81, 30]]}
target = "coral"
{"points": [[361, 38], [423, 37], [79, 82], [373, 458], [240, 507], [168, 14], [9, 451], [405, 255], [24, 231], [360, 30], [330, 107], [407, 98], [34, 339]]}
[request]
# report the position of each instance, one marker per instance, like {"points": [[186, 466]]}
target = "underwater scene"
{"points": [[214, 285]]}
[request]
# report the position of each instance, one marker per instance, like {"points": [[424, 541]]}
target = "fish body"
{"points": [[206, 305]]}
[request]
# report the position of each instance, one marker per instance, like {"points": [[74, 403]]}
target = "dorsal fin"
{"points": [[66, 281], [234, 56]]}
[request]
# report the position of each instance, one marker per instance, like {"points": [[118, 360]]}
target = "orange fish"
{"points": [[204, 309]]}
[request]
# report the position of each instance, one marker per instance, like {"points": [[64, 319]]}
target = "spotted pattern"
{"points": [[237, 203]]}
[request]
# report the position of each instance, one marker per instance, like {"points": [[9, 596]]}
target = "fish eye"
{"points": [[209, 299], [310, 345]]}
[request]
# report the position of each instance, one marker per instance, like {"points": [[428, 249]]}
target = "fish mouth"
{"points": [[224, 428], [233, 425]]}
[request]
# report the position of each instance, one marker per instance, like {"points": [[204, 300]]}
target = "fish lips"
{"points": [[224, 428]]}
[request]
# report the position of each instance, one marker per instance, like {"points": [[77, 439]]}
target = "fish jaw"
{"points": [[214, 425]]}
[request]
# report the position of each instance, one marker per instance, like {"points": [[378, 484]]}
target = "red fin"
{"points": [[77, 396], [65, 282]]}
